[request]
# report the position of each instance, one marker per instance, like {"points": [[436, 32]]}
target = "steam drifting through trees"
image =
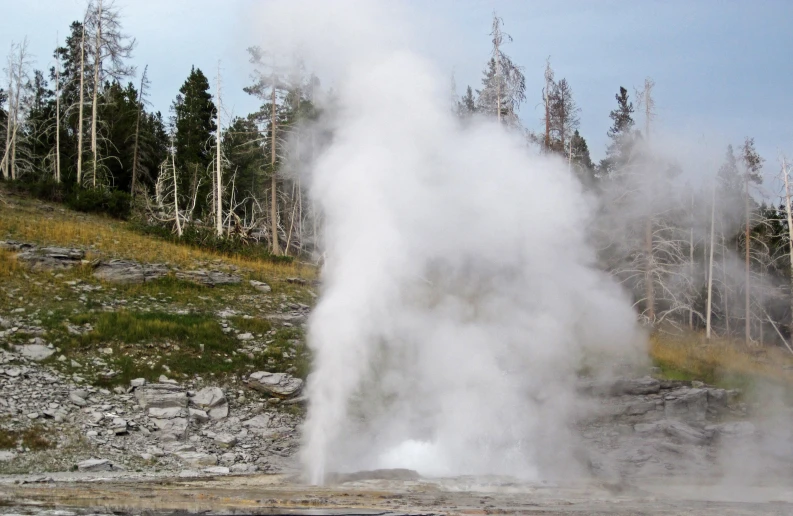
{"points": [[702, 249]]}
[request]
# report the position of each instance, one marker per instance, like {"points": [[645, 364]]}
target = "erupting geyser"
{"points": [[459, 292]]}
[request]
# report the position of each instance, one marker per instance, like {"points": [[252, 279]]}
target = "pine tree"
{"points": [[622, 137], [466, 106], [563, 117], [580, 161], [194, 114]]}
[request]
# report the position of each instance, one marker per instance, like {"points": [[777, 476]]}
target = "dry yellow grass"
{"points": [[26, 221], [692, 356]]}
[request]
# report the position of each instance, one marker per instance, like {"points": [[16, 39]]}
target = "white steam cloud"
{"points": [[460, 293]]}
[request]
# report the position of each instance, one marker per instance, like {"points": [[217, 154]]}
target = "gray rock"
{"points": [[97, 465], [225, 440], [637, 386], [213, 401], [166, 412], [259, 423], [13, 372], [193, 459], [640, 408], [717, 401], [137, 382], [245, 336], [677, 430], [36, 352], [77, 400], [128, 272], [217, 470], [161, 396], [51, 258], [243, 468], [12, 245], [198, 415], [208, 278], [687, 404], [281, 385], [260, 286], [6, 455], [176, 427], [119, 426]]}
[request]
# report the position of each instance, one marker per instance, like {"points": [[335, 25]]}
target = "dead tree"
{"points": [[109, 43]]}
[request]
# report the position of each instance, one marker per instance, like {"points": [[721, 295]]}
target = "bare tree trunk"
{"points": [[726, 282], [273, 180], [648, 275], [80, 114], [137, 133], [176, 195], [708, 325], [548, 75], [97, 65], [57, 120], [691, 261], [219, 170], [789, 214], [746, 288]]}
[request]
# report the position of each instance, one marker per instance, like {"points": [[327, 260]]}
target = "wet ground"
{"points": [[70, 494]]}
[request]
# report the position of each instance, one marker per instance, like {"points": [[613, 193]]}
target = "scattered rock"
{"points": [[213, 401], [125, 272], [196, 459], [161, 396], [119, 426], [51, 258], [245, 336], [689, 404], [217, 470], [98, 465], [77, 400], [37, 352], [225, 440], [208, 278], [281, 385], [675, 429], [260, 286]]}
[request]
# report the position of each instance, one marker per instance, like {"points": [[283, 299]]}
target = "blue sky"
{"points": [[723, 69]]}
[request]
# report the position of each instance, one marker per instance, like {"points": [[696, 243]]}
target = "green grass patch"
{"points": [[253, 325], [131, 327]]}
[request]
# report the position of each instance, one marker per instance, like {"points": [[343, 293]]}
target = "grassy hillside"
{"points": [[109, 334]]}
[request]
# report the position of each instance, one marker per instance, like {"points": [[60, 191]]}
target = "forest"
{"points": [[713, 257]]}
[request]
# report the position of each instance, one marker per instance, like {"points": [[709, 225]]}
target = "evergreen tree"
{"points": [[563, 116], [466, 106], [622, 136], [194, 114], [40, 128], [580, 160]]}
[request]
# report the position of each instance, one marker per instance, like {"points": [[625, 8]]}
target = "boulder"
{"points": [[225, 440], [98, 465], [124, 272], [260, 423], [36, 352], [260, 286], [119, 426], [176, 427], [161, 396], [11, 245], [51, 258], [77, 400], [636, 386], [198, 415], [281, 385], [213, 401], [208, 278], [193, 459], [687, 404]]}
